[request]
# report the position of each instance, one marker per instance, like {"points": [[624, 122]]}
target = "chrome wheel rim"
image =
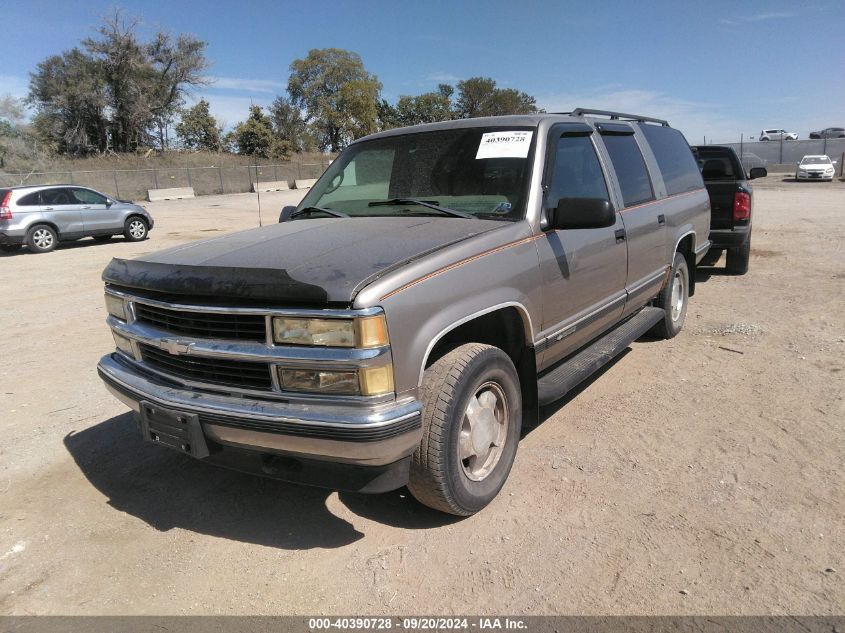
{"points": [[137, 229], [677, 295], [42, 238], [484, 431]]}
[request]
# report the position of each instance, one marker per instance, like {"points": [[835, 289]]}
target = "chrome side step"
{"points": [[563, 378]]}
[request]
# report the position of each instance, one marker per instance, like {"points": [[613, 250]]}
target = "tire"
{"points": [[135, 229], [674, 306], [10, 248], [102, 238], [736, 261], [42, 238], [446, 471]]}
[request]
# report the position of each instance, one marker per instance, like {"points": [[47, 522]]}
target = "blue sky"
{"points": [[712, 68]]}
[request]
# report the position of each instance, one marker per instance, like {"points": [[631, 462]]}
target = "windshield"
{"points": [[815, 160], [481, 171]]}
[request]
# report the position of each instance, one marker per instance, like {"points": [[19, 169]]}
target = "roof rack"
{"points": [[617, 115]]}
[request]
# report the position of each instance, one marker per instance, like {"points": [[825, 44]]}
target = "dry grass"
{"points": [[153, 160]]}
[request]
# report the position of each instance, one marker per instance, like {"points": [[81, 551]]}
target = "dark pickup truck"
{"points": [[731, 199]]}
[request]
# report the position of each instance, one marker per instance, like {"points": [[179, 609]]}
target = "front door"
{"points": [[97, 216], [582, 270]]}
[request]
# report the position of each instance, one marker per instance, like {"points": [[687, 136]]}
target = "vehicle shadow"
{"points": [[703, 273], [65, 246], [168, 490]]}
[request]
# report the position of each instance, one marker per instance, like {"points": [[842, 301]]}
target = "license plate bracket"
{"points": [[174, 429]]}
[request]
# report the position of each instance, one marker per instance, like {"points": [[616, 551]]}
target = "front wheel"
{"points": [[674, 299], [135, 229], [472, 416]]}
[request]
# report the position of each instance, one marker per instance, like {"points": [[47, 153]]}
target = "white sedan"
{"points": [[817, 167]]}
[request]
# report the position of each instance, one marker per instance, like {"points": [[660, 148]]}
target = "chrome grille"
{"points": [[229, 373], [243, 327]]}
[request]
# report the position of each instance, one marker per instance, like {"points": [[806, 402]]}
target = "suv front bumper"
{"points": [[358, 448]]}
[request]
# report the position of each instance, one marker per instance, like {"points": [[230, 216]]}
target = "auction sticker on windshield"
{"points": [[504, 145]]}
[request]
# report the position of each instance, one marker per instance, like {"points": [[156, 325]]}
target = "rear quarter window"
{"points": [[30, 200], [674, 158]]}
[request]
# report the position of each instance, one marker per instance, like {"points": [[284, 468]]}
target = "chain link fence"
{"points": [[781, 156], [134, 183]]}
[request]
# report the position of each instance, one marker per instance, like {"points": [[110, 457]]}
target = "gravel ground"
{"points": [[698, 475]]}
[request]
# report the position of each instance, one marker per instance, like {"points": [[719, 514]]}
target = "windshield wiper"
{"points": [[429, 204], [332, 212]]}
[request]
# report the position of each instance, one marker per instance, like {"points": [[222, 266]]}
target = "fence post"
{"points": [[116, 188], [188, 171], [220, 173], [155, 178]]}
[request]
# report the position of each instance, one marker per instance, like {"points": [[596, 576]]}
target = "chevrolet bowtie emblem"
{"points": [[174, 346]]}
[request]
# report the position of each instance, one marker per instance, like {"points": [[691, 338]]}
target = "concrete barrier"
{"points": [[305, 183], [278, 185], [176, 193]]}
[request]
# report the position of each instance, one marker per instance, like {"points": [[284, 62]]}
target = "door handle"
{"points": [[661, 219], [87, 207], [48, 208], [620, 235]]}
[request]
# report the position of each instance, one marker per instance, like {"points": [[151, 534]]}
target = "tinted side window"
{"points": [[630, 168], [30, 200], [86, 196], [57, 196], [674, 157], [577, 173]]}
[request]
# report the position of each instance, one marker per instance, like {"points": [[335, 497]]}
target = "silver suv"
{"points": [[42, 216]]}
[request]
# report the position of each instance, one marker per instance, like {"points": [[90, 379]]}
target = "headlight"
{"points": [[360, 332], [368, 381], [116, 307]]}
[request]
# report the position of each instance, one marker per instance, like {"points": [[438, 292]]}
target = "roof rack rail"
{"points": [[618, 115]]}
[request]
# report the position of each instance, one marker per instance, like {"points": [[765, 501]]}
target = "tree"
{"points": [[428, 107], [337, 94], [114, 92], [176, 66], [289, 125], [198, 129], [478, 96], [71, 101], [255, 137]]}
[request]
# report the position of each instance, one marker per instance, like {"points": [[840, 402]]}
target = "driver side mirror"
{"points": [[581, 213], [758, 172], [287, 210]]}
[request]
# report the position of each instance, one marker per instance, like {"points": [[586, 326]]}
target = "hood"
{"points": [[316, 261]]}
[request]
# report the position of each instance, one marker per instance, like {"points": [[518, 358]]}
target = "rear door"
{"points": [[582, 270], [643, 216], [97, 216], [60, 207]]}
